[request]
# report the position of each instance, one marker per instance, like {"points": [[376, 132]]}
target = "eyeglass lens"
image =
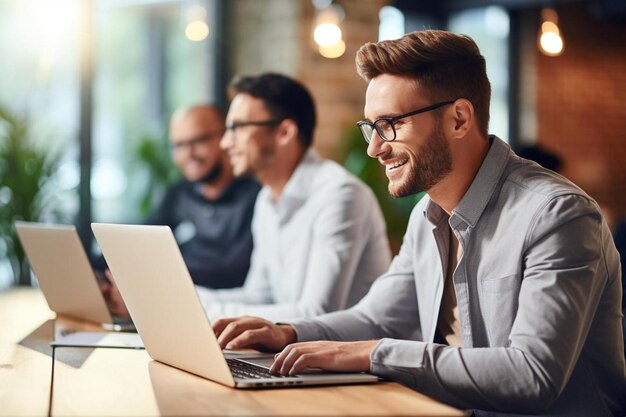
{"points": [[385, 129]]}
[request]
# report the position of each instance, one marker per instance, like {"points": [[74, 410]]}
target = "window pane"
{"points": [[40, 87], [146, 68]]}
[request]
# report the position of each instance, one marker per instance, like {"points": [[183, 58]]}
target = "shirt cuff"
{"points": [[399, 360], [306, 330]]}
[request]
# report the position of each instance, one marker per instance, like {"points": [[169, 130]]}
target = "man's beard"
{"points": [[433, 163], [213, 175]]}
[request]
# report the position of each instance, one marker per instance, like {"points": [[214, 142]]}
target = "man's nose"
{"points": [[227, 139], [376, 146]]}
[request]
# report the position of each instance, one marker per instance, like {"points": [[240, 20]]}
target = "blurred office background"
{"points": [[87, 88]]}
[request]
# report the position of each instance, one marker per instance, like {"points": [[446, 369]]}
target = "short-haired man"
{"points": [[505, 296], [209, 210], [319, 235]]}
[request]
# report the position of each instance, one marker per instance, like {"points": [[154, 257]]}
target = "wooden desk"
{"points": [[126, 382], [26, 328]]}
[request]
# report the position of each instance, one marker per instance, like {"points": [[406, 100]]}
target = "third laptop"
{"points": [[65, 276]]}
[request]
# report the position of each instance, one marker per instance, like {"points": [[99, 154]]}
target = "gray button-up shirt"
{"points": [[539, 296]]}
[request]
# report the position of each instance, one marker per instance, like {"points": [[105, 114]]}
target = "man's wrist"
{"points": [[289, 332]]}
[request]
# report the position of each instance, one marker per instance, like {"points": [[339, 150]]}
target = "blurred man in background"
{"points": [[319, 235], [209, 210]]}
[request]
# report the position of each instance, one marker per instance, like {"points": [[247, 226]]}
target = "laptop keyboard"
{"points": [[241, 369]]}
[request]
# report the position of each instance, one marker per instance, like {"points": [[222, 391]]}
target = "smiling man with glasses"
{"points": [[319, 235], [506, 294]]}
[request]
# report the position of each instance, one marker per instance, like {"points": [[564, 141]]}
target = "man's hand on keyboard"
{"points": [[329, 356], [253, 332]]}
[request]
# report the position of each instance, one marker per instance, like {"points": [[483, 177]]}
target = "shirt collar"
{"points": [[473, 203], [298, 188], [299, 185]]}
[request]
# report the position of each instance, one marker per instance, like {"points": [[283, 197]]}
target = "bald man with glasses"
{"points": [[209, 210]]}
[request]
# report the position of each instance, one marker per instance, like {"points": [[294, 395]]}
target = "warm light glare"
{"points": [[334, 51], [549, 27], [550, 38], [197, 31], [551, 43], [334, 13], [327, 34]]}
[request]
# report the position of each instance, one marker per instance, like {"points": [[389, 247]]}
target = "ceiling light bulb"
{"points": [[327, 34], [550, 40], [551, 43]]}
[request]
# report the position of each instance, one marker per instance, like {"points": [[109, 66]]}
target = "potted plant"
{"points": [[152, 155], [25, 173]]}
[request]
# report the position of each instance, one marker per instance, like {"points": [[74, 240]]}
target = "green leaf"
{"points": [[25, 173]]}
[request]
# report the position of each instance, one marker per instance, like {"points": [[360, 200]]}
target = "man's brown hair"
{"points": [[445, 65]]}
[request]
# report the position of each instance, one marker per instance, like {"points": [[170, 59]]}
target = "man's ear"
{"points": [[287, 132], [463, 118]]}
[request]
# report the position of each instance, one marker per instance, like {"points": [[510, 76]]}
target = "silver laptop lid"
{"points": [[153, 279], [59, 261]]}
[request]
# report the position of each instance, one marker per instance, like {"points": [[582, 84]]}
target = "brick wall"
{"points": [[263, 36], [338, 90], [581, 103], [276, 35]]}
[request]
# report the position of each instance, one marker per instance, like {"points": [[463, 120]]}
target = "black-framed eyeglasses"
{"points": [[385, 126], [196, 141], [237, 124]]}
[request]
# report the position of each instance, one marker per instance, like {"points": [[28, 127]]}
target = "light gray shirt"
{"points": [[317, 250], [539, 296]]}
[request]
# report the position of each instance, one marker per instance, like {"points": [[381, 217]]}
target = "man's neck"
{"points": [[466, 162], [277, 176], [214, 189]]}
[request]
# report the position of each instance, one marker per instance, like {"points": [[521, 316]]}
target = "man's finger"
{"points": [[220, 325], [291, 358], [248, 338], [234, 329], [307, 360], [279, 358]]}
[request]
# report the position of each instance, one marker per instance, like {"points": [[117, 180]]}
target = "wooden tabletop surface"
{"points": [[127, 382]]}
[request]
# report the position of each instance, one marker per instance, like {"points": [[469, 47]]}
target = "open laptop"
{"points": [[65, 276], [161, 298]]}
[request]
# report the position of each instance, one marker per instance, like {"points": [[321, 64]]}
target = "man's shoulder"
{"points": [[534, 180], [534, 195], [330, 174]]}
